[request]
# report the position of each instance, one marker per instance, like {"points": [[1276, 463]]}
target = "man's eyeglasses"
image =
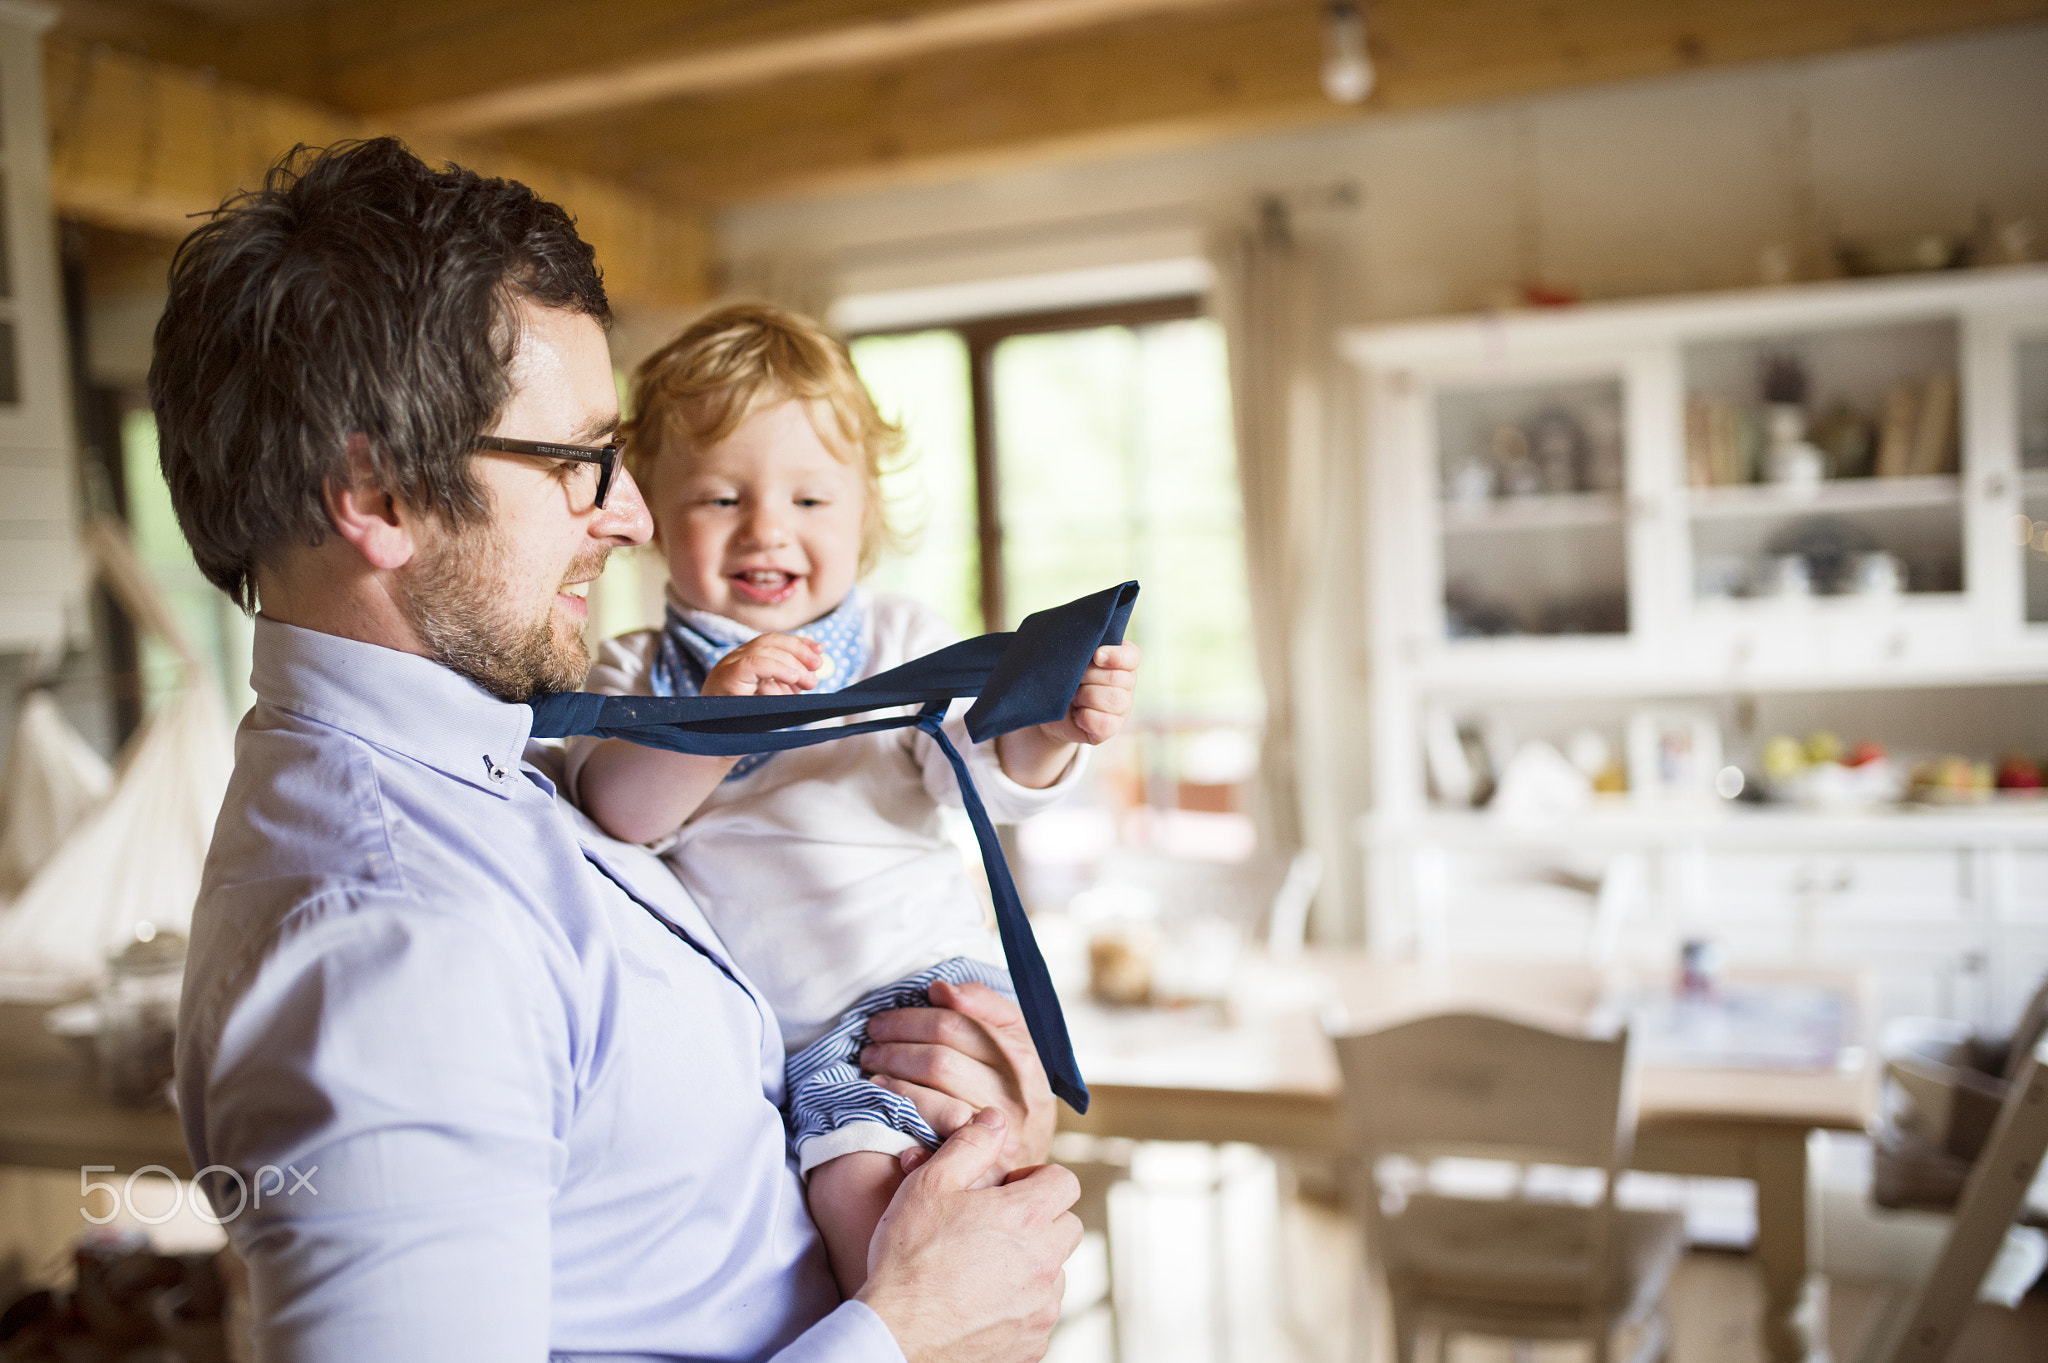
{"points": [[606, 458]]}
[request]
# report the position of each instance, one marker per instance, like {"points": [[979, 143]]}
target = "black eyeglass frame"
{"points": [[606, 457]]}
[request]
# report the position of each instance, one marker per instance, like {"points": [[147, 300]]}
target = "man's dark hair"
{"points": [[358, 291]]}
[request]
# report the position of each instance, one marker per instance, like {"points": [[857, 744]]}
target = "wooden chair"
{"points": [[1932, 1319], [1267, 896], [1518, 1268], [1100, 1163]]}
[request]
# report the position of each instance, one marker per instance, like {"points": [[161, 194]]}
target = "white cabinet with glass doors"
{"points": [[1818, 490], [1589, 497]]}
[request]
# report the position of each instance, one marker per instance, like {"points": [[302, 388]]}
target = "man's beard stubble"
{"points": [[452, 599]]}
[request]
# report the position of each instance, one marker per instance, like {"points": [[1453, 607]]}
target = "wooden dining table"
{"points": [[51, 1117], [1260, 1069]]}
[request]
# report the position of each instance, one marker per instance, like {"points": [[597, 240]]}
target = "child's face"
{"points": [[763, 527]]}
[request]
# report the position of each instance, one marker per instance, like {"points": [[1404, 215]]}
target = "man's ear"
{"points": [[365, 515]]}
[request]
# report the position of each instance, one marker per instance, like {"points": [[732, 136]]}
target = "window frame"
{"points": [[982, 335]]}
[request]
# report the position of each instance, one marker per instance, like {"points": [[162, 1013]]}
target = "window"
{"points": [[214, 626], [1056, 454]]}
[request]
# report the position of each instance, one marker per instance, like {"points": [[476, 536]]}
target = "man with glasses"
{"points": [[531, 1102]]}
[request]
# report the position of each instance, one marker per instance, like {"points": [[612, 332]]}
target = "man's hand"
{"points": [[1035, 758], [971, 1051], [973, 1275], [767, 665]]}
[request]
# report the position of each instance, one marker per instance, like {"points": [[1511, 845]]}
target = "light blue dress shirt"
{"points": [[531, 1120]]}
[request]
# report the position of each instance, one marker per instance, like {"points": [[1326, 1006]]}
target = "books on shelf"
{"points": [[1934, 437], [1917, 435], [1720, 443], [1896, 433], [1919, 431]]}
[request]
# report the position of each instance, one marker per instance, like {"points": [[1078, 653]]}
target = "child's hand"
{"points": [[769, 665], [1104, 698], [1034, 758]]}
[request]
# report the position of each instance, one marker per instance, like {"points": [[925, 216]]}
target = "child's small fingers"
{"points": [[1110, 700], [781, 646], [786, 661], [780, 681], [1097, 727], [1126, 682]]}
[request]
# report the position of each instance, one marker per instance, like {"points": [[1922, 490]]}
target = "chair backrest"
{"points": [[1267, 895], [1933, 1317], [2033, 1025], [1465, 1084]]}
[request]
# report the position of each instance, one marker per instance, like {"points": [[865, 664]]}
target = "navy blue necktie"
{"points": [[1018, 680]]}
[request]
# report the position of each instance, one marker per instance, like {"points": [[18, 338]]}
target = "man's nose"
{"points": [[623, 520]]}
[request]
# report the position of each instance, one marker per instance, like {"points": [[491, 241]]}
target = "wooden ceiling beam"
{"points": [[470, 65], [140, 146], [1221, 73], [714, 68], [1196, 78]]}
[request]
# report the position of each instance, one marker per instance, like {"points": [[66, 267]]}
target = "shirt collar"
{"points": [[400, 701]]}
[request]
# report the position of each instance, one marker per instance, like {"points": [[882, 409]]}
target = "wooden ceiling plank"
{"points": [[875, 42], [1203, 77], [140, 146]]}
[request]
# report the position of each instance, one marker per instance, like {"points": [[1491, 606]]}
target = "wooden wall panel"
{"points": [[145, 147]]}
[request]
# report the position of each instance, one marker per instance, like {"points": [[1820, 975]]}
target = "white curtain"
{"points": [[1273, 294], [137, 857], [54, 780], [136, 860]]}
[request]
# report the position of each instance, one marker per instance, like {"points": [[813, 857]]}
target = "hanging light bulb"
{"points": [[1347, 66]]}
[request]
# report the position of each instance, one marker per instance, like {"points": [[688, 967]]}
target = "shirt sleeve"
{"points": [[390, 1093], [851, 1334], [1007, 801]]}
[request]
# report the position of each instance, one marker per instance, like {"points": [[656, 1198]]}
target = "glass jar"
{"points": [[139, 1018]]}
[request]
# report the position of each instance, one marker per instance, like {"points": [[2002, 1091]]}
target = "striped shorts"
{"points": [[834, 1109]]}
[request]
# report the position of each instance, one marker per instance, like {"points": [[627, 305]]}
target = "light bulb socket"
{"points": [[1347, 73]]}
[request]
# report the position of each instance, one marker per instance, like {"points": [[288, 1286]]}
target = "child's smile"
{"points": [[765, 586], [765, 526]]}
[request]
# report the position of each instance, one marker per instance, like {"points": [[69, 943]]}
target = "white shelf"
{"points": [[1845, 494], [1878, 607], [1623, 826], [1548, 511]]}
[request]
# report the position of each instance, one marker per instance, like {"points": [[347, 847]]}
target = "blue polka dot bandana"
{"points": [[693, 642]]}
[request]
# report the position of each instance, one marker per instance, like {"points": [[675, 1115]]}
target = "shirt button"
{"points": [[497, 772]]}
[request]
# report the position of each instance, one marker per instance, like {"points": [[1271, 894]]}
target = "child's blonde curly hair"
{"points": [[738, 359]]}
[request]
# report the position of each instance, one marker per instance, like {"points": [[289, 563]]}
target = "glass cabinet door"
{"points": [[1825, 464], [2032, 535], [1532, 502]]}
